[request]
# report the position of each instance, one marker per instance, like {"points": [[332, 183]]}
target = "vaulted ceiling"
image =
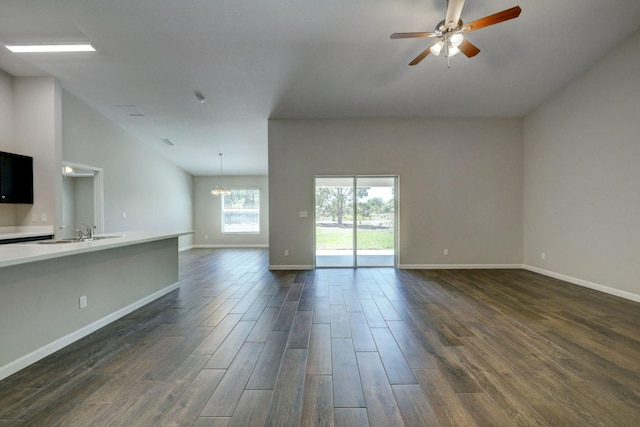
{"points": [[255, 59]]}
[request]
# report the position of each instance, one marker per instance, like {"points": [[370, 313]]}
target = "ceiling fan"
{"points": [[450, 32]]}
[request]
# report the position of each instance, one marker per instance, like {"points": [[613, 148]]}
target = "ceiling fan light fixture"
{"points": [[456, 39], [452, 51], [437, 48]]}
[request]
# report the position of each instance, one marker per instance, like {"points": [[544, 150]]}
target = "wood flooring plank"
{"points": [[252, 409], [415, 354], [307, 300], [374, 318], [188, 407], [245, 303], [227, 351], [335, 295], [142, 405], [212, 422], [455, 372], [278, 297], [265, 374], [382, 408], [360, 333], [321, 312], [485, 412], [414, 406], [295, 291], [339, 322], [66, 415], [257, 307], [300, 330], [395, 365], [351, 301], [285, 317], [386, 309], [317, 404], [351, 417], [443, 400], [211, 343], [168, 364], [347, 388], [264, 325], [319, 361], [286, 405], [227, 394], [220, 313]]}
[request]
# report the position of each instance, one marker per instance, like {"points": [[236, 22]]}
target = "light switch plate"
{"points": [[304, 214]]}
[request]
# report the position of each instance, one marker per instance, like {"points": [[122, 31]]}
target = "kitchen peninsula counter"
{"points": [[42, 286], [20, 253]]}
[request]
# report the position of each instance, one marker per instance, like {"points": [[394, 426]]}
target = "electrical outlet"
{"points": [[83, 301], [44, 217], [206, 236], [446, 251], [286, 252], [543, 255], [34, 217]]}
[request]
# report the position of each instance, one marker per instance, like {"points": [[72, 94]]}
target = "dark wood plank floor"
{"points": [[238, 345]]}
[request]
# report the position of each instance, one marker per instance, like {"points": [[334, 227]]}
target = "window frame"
{"points": [[223, 211]]}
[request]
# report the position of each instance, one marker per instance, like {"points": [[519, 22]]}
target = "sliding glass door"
{"points": [[355, 221]]}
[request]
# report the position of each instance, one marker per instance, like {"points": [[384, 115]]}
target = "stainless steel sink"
{"points": [[63, 241], [58, 241]]}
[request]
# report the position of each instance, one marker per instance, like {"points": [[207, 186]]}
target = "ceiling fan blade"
{"points": [[496, 18], [469, 49], [412, 35], [420, 57], [454, 10]]}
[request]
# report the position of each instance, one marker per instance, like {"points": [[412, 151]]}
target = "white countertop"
{"points": [[18, 232], [21, 253]]}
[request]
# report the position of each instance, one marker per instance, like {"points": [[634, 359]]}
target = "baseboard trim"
{"points": [[585, 283], [224, 246], [44, 351], [291, 267], [458, 266]]}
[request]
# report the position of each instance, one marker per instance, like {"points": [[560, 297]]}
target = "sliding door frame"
{"points": [[396, 218]]}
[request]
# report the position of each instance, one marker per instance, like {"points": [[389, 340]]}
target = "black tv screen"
{"points": [[16, 178]]}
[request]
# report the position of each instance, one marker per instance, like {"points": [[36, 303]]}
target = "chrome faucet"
{"points": [[89, 232], [80, 233]]}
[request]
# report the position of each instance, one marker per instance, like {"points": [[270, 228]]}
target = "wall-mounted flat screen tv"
{"points": [[16, 178]]}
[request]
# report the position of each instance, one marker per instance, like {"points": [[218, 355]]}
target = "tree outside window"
{"points": [[241, 211]]}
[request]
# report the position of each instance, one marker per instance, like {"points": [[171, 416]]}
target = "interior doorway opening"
{"points": [[356, 221]]}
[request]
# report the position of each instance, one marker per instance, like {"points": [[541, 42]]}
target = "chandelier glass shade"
{"points": [[221, 189]]}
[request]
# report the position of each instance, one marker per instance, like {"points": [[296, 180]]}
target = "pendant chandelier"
{"points": [[220, 190]]}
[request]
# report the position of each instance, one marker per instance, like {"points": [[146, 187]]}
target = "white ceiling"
{"points": [[260, 59]]}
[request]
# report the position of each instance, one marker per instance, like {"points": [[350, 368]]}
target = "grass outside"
{"points": [[328, 238]]}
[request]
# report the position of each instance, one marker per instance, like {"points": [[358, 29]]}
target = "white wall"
{"points": [[582, 177], [207, 212], [460, 184], [37, 133], [30, 125], [154, 193], [6, 111], [7, 211]]}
